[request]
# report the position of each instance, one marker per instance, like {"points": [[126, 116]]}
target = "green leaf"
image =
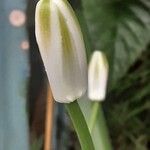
{"points": [[119, 28]]}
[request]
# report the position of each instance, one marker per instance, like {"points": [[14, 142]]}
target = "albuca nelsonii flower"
{"points": [[62, 49], [97, 76]]}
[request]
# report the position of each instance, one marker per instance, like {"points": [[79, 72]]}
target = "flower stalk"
{"points": [[80, 126], [94, 115], [104, 139]]}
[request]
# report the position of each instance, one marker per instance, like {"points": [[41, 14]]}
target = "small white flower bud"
{"points": [[97, 76]]}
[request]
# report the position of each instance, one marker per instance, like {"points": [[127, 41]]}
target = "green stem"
{"points": [[97, 115], [80, 126], [94, 114]]}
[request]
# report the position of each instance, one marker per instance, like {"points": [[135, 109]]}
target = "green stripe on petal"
{"points": [[70, 9], [68, 60], [71, 67], [44, 21], [66, 37], [96, 70]]}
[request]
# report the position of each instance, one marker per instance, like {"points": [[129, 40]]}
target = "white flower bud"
{"points": [[62, 49], [97, 76]]}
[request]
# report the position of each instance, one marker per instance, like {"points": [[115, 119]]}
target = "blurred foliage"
{"points": [[120, 28], [128, 109]]}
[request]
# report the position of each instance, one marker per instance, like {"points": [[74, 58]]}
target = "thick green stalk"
{"points": [[80, 126], [98, 115], [94, 113]]}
